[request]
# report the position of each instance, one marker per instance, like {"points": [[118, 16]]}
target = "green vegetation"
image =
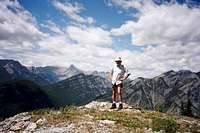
{"points": [[159, 107], [127, 119], [168, 125], [58, 115]]}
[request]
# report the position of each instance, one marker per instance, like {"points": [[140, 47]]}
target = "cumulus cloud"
{"points": [[171, 28], [89, 35], [164, 24], [17, 25], [85, 57], [62, 49], [87, 46], [73, 11]]}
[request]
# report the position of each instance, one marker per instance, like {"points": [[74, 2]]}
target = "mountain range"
{"points": [[167, 91], [62, 86], [54, 74], [78, 90], [71, 86], [13, 70]]}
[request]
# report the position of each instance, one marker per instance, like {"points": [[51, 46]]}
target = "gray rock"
{"points": [[11, 132], [18, 126], [31, 127], [109, 122], [41, 121]]}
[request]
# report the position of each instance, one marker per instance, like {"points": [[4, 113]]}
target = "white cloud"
{"points": [[17, 25], [172, 28], [73, 11], [89, 35], [165, 24], [58, 49], [52, 27], [125, 4], [86, 47]]}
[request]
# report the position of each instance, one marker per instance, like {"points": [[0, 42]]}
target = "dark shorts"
{"points": [[116, 91], [115, 86]]}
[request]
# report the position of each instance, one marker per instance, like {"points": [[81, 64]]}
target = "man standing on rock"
{"points": [[117, 75]]}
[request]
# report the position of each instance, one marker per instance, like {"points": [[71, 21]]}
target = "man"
{"points": [[117, 75]]}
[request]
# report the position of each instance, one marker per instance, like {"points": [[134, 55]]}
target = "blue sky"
{"points": [[151, 36], [96, 9], [106, 17]]}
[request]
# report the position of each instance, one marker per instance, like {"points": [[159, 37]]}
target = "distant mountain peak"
{"points": [[169, 72], [13, 70], [184, 71], [74, 68]]}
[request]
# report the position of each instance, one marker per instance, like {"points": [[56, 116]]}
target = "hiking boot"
{"points": [[113, 106], [120, 106]]}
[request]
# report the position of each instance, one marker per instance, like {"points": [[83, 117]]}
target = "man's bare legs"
{"points": [[114, 96], [114, 93], [119, 93], [119, 96]]}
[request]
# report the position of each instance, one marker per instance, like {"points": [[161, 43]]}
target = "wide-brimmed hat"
{"points": [[118, 59]]}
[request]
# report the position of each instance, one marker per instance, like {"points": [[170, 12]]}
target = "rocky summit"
{"points": [[97, 117]]}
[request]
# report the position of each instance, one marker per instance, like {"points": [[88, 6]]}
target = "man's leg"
{"points": [[114, 93], [114, 96], [119, 96]]}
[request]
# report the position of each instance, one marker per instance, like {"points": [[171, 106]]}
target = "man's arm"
{"points": [[126, 74], [110, 75]]}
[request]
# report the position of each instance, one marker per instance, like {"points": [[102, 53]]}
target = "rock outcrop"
{"points": [[97, 117]]}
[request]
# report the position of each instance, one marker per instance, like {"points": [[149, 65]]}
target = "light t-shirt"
{"points": [[118, 72]]}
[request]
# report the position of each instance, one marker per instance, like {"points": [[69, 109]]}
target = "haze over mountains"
{"points": [[72, 86], [53, 74], [11, 70]]}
